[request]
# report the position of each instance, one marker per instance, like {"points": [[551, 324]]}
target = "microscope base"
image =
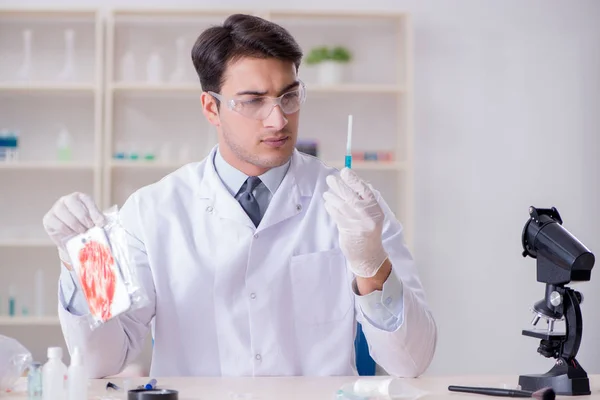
{"points": [[563, 378]]}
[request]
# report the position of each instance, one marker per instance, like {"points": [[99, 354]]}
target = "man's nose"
{"points": [[276, 119]]}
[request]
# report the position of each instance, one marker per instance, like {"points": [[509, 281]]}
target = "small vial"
{"points": [[149, 154], [12, 301], [34, 381], [12, 146], [120, 153]]}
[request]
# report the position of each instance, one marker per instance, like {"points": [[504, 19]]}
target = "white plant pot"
{"points": [[330, 72]]}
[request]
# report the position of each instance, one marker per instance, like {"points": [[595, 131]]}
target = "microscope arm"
{"points": [[573, 324]]}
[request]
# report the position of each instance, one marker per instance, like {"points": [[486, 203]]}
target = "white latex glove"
{"points": [[359, 219], [70, 216]]}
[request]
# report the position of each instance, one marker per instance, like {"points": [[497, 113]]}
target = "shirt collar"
{"points": [[233, 179]]}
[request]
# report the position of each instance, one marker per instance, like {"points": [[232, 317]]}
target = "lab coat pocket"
{"points": [[320, 289]]}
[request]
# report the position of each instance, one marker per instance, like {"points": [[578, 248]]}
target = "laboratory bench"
{"points": [[302, 388]]}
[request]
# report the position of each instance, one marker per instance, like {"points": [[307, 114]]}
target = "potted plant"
{"points": [[330, 63]]}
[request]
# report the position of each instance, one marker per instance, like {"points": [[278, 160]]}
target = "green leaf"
{"points": [[317, 55], [340, 54]]}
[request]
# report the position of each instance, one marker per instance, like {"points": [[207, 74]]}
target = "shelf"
{"points": [[354, 88], [157, 88], [29, 321], [178, 12], [334, 14], [27, 243], [47, 87], [196, 89], [48, 13], [370, 165], [27, 165], [142, 164], [358, 165]]}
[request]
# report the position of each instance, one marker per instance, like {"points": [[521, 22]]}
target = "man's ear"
{"points": [[209, 108]]}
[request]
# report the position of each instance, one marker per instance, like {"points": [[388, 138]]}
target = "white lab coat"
{"points": [[230, 299]]}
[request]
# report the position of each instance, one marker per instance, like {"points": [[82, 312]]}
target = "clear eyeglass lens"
{"points": [[261, 107]]}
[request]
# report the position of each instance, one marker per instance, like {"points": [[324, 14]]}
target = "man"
{"points": [[258, 260]]}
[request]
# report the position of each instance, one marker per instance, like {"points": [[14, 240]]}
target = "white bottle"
{"points": [[24, 72], [63, 145], [154, 68], [54, 375], [68, 68], [77, 381], [178, 74]]}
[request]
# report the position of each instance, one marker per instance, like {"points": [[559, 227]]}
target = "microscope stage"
{"points": [[544, 334]]}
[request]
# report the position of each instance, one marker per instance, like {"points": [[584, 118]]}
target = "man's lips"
{"points": [[276, 141], [275, 138]]}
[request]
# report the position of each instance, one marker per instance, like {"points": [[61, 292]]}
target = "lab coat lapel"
{"points": [[222, 203], [287, 200]]}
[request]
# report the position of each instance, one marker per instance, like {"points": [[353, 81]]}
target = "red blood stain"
{"points": [[98, 278]]}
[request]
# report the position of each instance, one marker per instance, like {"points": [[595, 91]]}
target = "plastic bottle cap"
{"points": [[55, 352], [64, 138]]}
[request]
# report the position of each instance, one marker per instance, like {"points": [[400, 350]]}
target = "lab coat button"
{"points": [[258, 357], [388, 301], [256, 236], [252, 295], [209, 209], [298, 207]]}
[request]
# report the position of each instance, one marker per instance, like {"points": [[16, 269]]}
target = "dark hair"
{"points": [[240, 36]]}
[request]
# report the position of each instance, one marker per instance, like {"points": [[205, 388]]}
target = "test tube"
{"points": [[12, 301], [348, 158]]}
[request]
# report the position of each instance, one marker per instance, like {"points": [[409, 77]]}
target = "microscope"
{"points": [[561, 259]]}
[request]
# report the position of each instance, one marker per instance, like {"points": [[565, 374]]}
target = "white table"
{"points": [[301, 388]]}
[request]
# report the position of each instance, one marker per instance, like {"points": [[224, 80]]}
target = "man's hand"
{"points": [[359, 219], [71, 215]]}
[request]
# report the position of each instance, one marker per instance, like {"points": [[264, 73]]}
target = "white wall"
{"points": [[507, 116]]}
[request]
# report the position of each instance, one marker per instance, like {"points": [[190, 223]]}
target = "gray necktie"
{"points": [[247, 199]]}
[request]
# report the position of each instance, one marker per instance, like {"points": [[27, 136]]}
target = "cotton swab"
{"points": [[348, 159]]}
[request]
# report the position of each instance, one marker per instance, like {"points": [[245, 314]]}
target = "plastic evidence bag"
{"points": [[107, 276]]}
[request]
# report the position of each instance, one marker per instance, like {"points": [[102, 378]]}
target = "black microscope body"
{"points": [[561, 259]]}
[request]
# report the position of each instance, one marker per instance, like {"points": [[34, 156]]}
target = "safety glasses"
{"points": [[260, 107]]}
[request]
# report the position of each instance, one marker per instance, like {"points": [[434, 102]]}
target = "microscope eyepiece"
{"points": [[562, 258]]}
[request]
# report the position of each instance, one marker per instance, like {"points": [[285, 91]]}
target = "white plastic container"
{"points": [[330, 72], [154, 68], [63, 145], [379, 388], [77, 381], [69, 67], [54, 375]]}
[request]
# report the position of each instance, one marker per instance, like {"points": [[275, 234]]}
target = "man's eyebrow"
{"points": [[289, 87], [251, 92], [263, 93]]}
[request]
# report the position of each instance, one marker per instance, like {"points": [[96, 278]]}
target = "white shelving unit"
{"points": [[114, 108], [36, 105]]}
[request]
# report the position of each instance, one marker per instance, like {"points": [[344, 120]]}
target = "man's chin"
{"points": [[275, 160]]}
